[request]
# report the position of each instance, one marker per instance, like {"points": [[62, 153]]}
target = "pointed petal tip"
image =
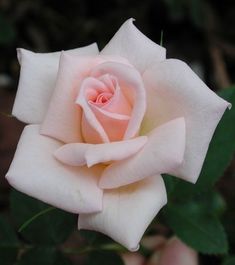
{"points": [[134, 248]]}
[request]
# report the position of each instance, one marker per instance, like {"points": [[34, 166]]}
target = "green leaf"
{"points": [[197, 228], [51, 228], [170, 183], [219, 155], [229, 261], [96, 239], [8, 243], [222, 147], [104, 257], [43, 256], [88, 236]]}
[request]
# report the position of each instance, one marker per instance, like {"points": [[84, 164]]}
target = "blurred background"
{"points": [[200, 32]]}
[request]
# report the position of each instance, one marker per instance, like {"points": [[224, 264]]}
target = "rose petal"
{"points": [[37, 173], [63, 118], [37, 79], [177, 253], [114, 124], [174, 90], [132, 87], [78, 154], [162, 153], [127, 211], [130, 43], [92, 130]]}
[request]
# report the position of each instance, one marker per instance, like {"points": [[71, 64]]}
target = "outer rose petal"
{"points": [[132, 44], [37, 79], [177, 253], [37, 173], [127, 211], [174, 90], [162, 153], [78, 154]]}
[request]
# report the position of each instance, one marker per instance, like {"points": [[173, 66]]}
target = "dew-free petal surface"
{"points": [[174, 90], [131, 84], [127, 211], [78, 154], [37, 80], [132, 44], [35, 172], [163, 152]]}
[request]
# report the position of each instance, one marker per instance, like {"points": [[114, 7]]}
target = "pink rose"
{"points": [[165, 252], [105, 126]]}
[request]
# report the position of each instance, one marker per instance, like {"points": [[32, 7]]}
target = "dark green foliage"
{"points": [[43, 256], [51, 228], [8, 243], [103, 258], [197, 228]]}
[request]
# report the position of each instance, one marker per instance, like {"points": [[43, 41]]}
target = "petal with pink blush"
{"points": [[132, 87], [163, 152], [64, 117], [37, 80], [78, 154], [92, 130], [114, 124], [174, 90], [127, 211], [177, 253], [35, 172], [132, 44]]}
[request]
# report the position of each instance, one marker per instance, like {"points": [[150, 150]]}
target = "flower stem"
{"points": [[25, 224]]}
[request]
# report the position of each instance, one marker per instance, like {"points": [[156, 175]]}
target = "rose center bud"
{"points": [[101, 91], [106, 110]]}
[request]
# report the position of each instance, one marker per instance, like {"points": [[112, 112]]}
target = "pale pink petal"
{"points": [[117, 103], [174, 90], [131, 84], [107, 118], [72, 154], [177, 253], [162, 153], [78, 154], [127, 211], [114, 124], [37, 173], [130, 43], [63, 119], [37, 80], [133, 259], [92, 130]]}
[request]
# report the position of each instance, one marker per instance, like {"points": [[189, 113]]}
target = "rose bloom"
{"points": [[105, 125], [164, 252]]}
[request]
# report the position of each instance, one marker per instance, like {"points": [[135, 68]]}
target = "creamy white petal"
{"points": [[37, 80], [163, 152], [132, 44], [174, 90], [127, 211], [78, 154], [37, 173]]}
